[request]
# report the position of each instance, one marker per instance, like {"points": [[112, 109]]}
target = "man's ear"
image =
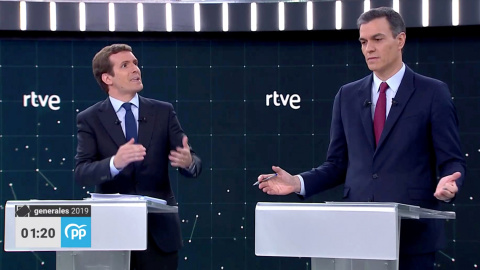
{"points": [[107, 78], [402, 37]]}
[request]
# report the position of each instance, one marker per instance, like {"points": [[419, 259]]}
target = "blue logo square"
{"points": [[76, 232]]}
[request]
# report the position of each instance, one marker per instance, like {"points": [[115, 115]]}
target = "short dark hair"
{"points": [[397, 25], [101, 62]]}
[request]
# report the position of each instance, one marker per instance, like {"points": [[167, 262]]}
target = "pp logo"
{"points": [[76, 232]]}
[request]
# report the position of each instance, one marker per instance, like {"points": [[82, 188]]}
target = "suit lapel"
{"points": [[146, 116], [403, 95], [109, 120], [365, 96]]}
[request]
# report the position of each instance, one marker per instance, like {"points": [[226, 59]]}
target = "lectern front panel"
{"points": [[75, 225], [326, 231]]}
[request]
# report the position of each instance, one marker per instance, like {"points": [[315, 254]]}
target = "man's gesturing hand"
{"points": [[128, 153], [447, 187], [181, 158], [283, 184]]}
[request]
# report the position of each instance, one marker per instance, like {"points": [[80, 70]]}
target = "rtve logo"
{"points": [[280, 99], [42, 100]]}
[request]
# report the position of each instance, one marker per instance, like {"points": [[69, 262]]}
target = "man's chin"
{"points": [[371, 67]]}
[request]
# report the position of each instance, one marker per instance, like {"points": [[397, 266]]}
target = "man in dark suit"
{"points": [[112, 156], [415, 158]]}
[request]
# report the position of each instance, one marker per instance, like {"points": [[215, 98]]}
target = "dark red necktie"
{"points": [[380, 112]]}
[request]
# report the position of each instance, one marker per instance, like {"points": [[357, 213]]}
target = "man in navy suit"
{"points": [[415, 159], [106, 159]]}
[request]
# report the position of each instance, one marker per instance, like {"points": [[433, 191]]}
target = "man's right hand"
{"points": [[283, 184], [128, 153]]}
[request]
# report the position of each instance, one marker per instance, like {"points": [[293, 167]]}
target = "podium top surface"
{"points": [[153, 205], [403, 210]]}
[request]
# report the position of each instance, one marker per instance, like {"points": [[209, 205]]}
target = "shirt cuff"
{"points": [[302, 185], [191, 168], [113, 170]]}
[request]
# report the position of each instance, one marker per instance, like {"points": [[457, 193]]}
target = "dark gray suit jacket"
{"points": [[99, 137]]}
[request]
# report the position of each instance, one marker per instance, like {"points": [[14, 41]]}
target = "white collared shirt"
{"points": [[393, 85], [120, 111]]}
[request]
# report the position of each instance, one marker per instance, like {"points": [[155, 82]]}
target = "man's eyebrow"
{"points": [[374, 36], [127, 61], [378, 35]]}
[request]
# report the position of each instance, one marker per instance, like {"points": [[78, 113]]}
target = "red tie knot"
{"points": [[383, 87]]}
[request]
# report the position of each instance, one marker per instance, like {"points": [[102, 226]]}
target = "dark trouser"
{"points": [[153, 258], [417, 262]]}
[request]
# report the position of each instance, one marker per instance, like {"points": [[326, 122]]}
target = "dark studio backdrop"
{"points": [[218, 83]]}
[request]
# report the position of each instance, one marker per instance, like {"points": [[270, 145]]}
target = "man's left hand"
{"points": [[181, 157], [447, 187]]}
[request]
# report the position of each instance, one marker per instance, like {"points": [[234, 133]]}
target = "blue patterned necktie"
{"points": [[130, 123]]}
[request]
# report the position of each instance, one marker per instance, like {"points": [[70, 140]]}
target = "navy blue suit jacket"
{"points": [[419, 145], [99, 137]]}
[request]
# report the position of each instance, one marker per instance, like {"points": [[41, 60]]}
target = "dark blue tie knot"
{"points": [[127, 106]]}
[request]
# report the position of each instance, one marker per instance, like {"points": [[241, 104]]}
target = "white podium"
{"points": [[336, 235], [86, 234]]}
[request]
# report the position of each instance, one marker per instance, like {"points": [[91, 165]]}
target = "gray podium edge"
{"points": [[117, 227], [336, 235]]}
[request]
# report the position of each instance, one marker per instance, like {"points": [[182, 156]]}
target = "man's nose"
{"points": [[369, 47]]}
